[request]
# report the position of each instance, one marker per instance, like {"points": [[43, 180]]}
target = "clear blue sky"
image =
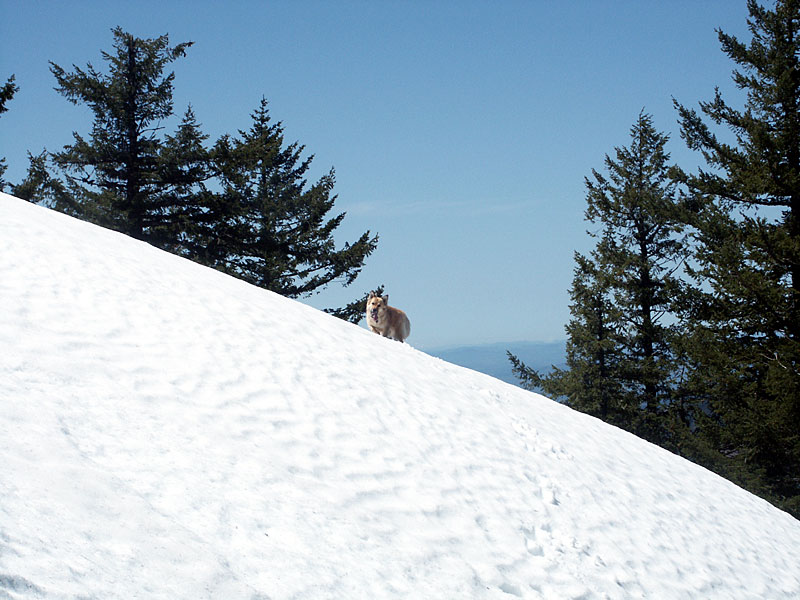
{"points": [[460, 131]]}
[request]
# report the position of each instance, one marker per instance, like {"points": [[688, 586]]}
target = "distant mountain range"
{"points": [[492, 359]]}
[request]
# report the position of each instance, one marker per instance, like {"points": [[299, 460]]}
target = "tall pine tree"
{"points": [[746, 321], [642, 252], [7, 92], [621, 366], [187, 165], [272, 228], [115, 177]]}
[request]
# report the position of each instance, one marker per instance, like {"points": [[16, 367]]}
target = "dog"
{"points": [[386, 320]]}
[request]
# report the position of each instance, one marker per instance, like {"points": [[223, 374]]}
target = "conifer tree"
{"points": [[642, 251], [277, 233], [185, 202], [746, 320], [620, 360], [7, 92], [115, 177]]}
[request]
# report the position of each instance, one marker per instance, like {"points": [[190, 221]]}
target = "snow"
{"points": [[167, 431]]}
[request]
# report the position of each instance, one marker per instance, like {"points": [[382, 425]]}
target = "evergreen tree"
{"points": [[277, 232], [641, 252], [116, 177], [621, 365], [7, 92], [41, 187], [185, 167], [746, 319]]}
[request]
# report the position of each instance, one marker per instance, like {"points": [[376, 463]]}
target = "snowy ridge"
{"points": [[167, 431]]}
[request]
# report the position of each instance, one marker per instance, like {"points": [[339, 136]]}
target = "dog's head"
{"points": [[376, 306]]}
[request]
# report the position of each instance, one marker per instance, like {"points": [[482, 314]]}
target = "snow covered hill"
{"points": [[170, 432]]}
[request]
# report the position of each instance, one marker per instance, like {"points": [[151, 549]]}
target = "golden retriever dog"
{"points": [[386, 320]]}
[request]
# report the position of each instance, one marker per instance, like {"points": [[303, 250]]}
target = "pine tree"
{"points": [[41, 187], [115, 177], [642, 251], [621, 365], [277, 232], [746, 320], [7, 92], [185, 202]]}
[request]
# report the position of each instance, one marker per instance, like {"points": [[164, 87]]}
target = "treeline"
{"points": [[241, 205], [685, 317]]}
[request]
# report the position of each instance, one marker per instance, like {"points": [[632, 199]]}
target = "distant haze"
{"points": [[493, 360]]}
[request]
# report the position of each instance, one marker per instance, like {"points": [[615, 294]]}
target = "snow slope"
{"points": [[170, 432]]}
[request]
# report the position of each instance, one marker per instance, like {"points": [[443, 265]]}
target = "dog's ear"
{"points": [[371, 296], [386, 299]]}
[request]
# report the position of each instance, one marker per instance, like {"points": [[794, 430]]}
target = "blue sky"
{"points": [[461, 132]]}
